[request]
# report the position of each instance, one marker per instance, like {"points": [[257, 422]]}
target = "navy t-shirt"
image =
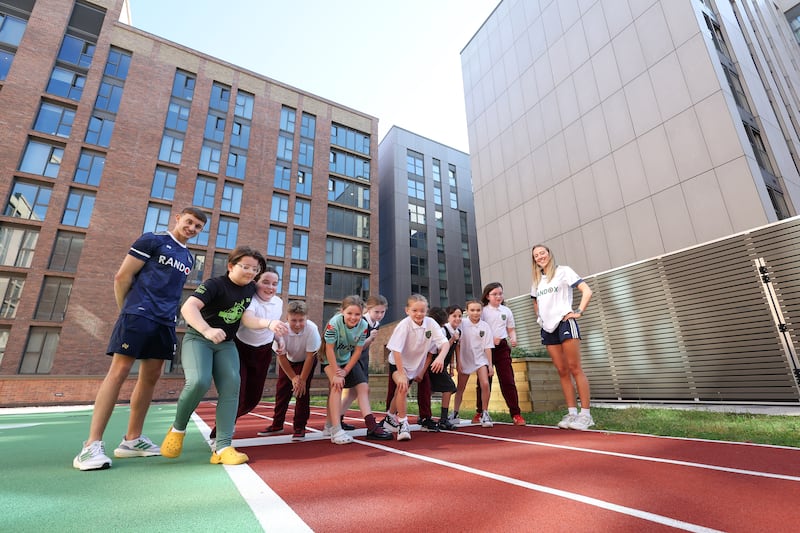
{"points": [[224, 302], [156, 289]]}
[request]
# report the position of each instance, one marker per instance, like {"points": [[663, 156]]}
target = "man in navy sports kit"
{"points": [[147, 288]]}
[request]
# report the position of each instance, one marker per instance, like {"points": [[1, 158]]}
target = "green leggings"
{"points": [[202, 360]]}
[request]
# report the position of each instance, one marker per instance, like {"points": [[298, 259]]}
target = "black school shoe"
{"points": [[346, 426], [429, 424], [446, 425], [378, 433]]}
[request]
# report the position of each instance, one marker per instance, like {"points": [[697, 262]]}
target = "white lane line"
{"points": [[636, 513], [271, 511], [638, 457]]}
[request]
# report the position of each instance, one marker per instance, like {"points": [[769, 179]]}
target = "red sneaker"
{"points": [[476, 419], [518, 420]]}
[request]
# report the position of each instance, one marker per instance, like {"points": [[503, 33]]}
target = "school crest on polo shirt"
{"points": [[503, 316], [428, 334], [482, 333]]}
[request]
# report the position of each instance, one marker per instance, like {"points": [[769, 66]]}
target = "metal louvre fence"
{"points": [[713, 323]]}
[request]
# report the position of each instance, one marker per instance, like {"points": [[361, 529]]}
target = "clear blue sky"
{"points": [[396, 60]]}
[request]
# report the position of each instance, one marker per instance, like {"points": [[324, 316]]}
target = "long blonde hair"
{"points": [[549, 269]]}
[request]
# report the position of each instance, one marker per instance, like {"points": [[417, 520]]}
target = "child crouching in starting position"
{"points": [[345, 335], [475, 355], [409, 346]]}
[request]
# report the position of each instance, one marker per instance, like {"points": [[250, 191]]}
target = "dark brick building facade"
{"points": [[106, 132]]}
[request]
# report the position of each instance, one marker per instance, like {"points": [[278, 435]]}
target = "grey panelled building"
{"points": [[427, 222], [616, 131]]}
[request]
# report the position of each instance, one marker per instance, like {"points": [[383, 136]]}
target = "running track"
{"points": [[509, 478]]}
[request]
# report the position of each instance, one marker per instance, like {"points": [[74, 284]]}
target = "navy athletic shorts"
{"points": [[142, 338], [566, 330]]}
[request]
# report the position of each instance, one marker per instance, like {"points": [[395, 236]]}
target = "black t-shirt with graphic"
{"points": [[224, 302]]}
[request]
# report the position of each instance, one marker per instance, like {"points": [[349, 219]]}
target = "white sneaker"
{"points": [[92, 457], [486, 420], [404, 432], [141, 447], [567, 420], [454, 419], [340, 437], [327, 431], [582, 422], [390, 423]]}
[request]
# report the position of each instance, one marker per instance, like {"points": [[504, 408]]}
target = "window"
{"points": [[164, 181], [304, 179], [42, 158], [418, 239], [345, 253], [300, 245], [237, 165], [156, 219], [302, 213], [6, 58], [280, 208], [349, 165], [53, 299], [118, 64], [76, 51], [278, 266], [215, 128], [759, 149], [54, 120], [283, 176], [4, 332], [171, 149], [297, 280], [210, 157], [285, 147], [416, 214], [66, 83], [204, 191], [308, 125], [28, 200], [305, 155], [350, 139], [196, 275], [11, 29], [339, 284], [240, 134], [220, 97], [17, 246], [66, 252], [451, 179], [346, 222], [183, 85], [438, 216], [348, 193], [10, 292], [99, 131], [39, 351], [437, 170], [288, 117], [414, 164], [90, 168], [79, 208], [227, 233], [419, 266], [276, 243], [220, 265], [232, 198], [244, 105], [177, 116], [416, 189], [201, 239], [109, 95]]}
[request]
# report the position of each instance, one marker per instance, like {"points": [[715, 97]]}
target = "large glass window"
{"points": [[227, 233], [171, 149], [308, 125], [201, 239], [288, 118], [215, 128], [66, 252], [349, 165], [237, 165], [204, 191], [156, 219], [183, 85], [232, 198], [302, 213], [305, 155], [196, 275], [348, 193], [297, 280], [28, 200], [339, 284], [244, 105], [76, 51], [118, 64], [79, 208], [276, 243], [240, 134], [90, 168], [220, 97], [416, 189], [303, 185], [345, 253], [210, 157], [300, 245], [10, 293], [283, 177], [418, 239], [66, 83], [350, 139], [346, 222], [54, 119], [100, 130], [164, 181], [11, 29], [53, 299], [39, 351], [109, 95], [414, 163], [285, 147], [416, 214], [280, 208], [17, 246], [177, 116], [6, 58], [42, 158]]}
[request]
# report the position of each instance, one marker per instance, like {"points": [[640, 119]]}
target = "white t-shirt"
{"points": [[554, 297], [413, 342], [299, 344], [475, 338], [270, 310], [499, 319]]}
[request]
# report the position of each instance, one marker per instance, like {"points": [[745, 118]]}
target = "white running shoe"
{"points": [[567, 420], [454, 419], [141, 447], [486, 420], [92, 457], [327, 431], [390, 423], [341, 437], [404, 432], [582, 422]]}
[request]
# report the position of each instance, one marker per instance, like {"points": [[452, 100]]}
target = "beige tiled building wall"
{"points": [[608, 130]]}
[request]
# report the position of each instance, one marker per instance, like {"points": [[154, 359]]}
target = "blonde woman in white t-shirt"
{"points": [[552, 301]]}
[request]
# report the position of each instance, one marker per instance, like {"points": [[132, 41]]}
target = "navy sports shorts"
{"points": [[356, 376], [441, 381], [566, 330], [142, 338]]}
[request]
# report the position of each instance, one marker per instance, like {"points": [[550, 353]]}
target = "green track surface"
{"points": [[41, 491]]}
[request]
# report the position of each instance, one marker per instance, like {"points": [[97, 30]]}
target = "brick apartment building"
{"points": [[106, 132]]}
